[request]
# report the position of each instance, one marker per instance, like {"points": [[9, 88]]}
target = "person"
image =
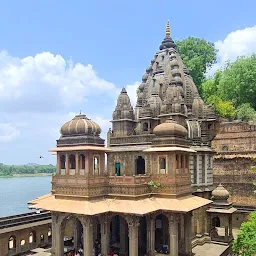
{"points": [[77, 253], [111, 253]]}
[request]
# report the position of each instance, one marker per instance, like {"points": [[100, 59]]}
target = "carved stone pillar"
{"points": [[58, 164], [123, 237], [187, 233], [87, 223], [76, 234], [105, 232], [150, 234], [77, 163], [57, 236], [67, 164], [133, 224], [173, 230], [230, 225]]}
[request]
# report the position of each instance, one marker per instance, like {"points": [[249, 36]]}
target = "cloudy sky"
{"points": [[59, 57]]}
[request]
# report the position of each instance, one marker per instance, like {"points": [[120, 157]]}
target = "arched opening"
{"points": [[145, 127], [216, 222], [49, 235], [162, 164], [72, 231], [143, 236], [215, 227], [12, 245], [96, 164], [62, 162], [119, 241], [81, 162], [140, 165], [72, 162], [22, 245], [162, 236], [32, 240], [41, 239]]}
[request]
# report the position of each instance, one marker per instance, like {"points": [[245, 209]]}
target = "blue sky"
{"points": [[60, 57]]}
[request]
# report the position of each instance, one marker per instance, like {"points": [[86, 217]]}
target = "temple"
{"points": [[153, 194]]}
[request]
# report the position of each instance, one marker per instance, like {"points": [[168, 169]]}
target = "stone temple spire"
{"points": [[167, 42], [167, 29]]}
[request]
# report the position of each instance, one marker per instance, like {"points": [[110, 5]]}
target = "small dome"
{"points": [[145, 77], [175, 71], [220, 193], [80, 125], [170, 128], [142, 86], [174, 63], [149, 68]]}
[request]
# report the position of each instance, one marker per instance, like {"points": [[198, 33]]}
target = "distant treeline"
{"points": [[10, 170]]}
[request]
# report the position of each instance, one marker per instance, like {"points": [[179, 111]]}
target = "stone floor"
{"points": [[209, 249], [40, 252]]}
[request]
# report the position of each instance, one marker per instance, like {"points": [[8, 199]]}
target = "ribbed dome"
{"points": [[170, 128], [80, 125], [220, 193]]}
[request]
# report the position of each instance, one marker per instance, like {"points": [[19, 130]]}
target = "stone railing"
{"points": [[135, 179], [77, 180]]}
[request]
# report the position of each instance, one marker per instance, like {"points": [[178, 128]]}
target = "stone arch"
{"points": [[72, 231], [62, 162], [23, 245], [32, 237], [142, 236], [72, 161], [140, 165], [12, 245], [162, 236], [119, 234], [145, 126], [216, 222]]}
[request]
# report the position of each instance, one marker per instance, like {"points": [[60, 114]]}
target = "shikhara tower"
{"points": [[158, 154]]}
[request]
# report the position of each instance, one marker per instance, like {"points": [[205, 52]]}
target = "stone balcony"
{"points": [[129, 186], [79, 186]]}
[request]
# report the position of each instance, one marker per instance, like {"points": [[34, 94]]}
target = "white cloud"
{"points": [[132, 92], [8, 132], [237, 43], [46, 83]]}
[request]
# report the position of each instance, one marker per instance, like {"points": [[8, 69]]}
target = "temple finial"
{"points": [[167, 30], [80, 112]]}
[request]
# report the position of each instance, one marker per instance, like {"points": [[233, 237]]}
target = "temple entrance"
{"points": [[73, 234], [140, 165], [119, 241], [162, 236], [142, 237]]}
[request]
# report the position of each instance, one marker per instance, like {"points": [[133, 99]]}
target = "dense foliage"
{"points": [[9, 170], [198, 55], [245, 244], [232, 91]]}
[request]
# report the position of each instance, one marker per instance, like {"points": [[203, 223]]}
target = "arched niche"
{"points": [[140, 165]]}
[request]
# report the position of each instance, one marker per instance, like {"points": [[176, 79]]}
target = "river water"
{"points": [[16, 192]]}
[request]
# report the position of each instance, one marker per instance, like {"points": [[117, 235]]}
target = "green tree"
{"points": [[245, 244], [245, 112], [198, 55], [210, 86], [223, 108], [238, 81]]}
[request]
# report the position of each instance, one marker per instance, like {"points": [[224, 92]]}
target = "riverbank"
{"points": [[26, 175]]}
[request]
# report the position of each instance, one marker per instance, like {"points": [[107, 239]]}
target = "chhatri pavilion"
{"points": [[153, 195]]}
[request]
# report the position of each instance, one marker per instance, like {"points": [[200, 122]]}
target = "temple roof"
{"points": [[138, 207], [167, 86]]}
